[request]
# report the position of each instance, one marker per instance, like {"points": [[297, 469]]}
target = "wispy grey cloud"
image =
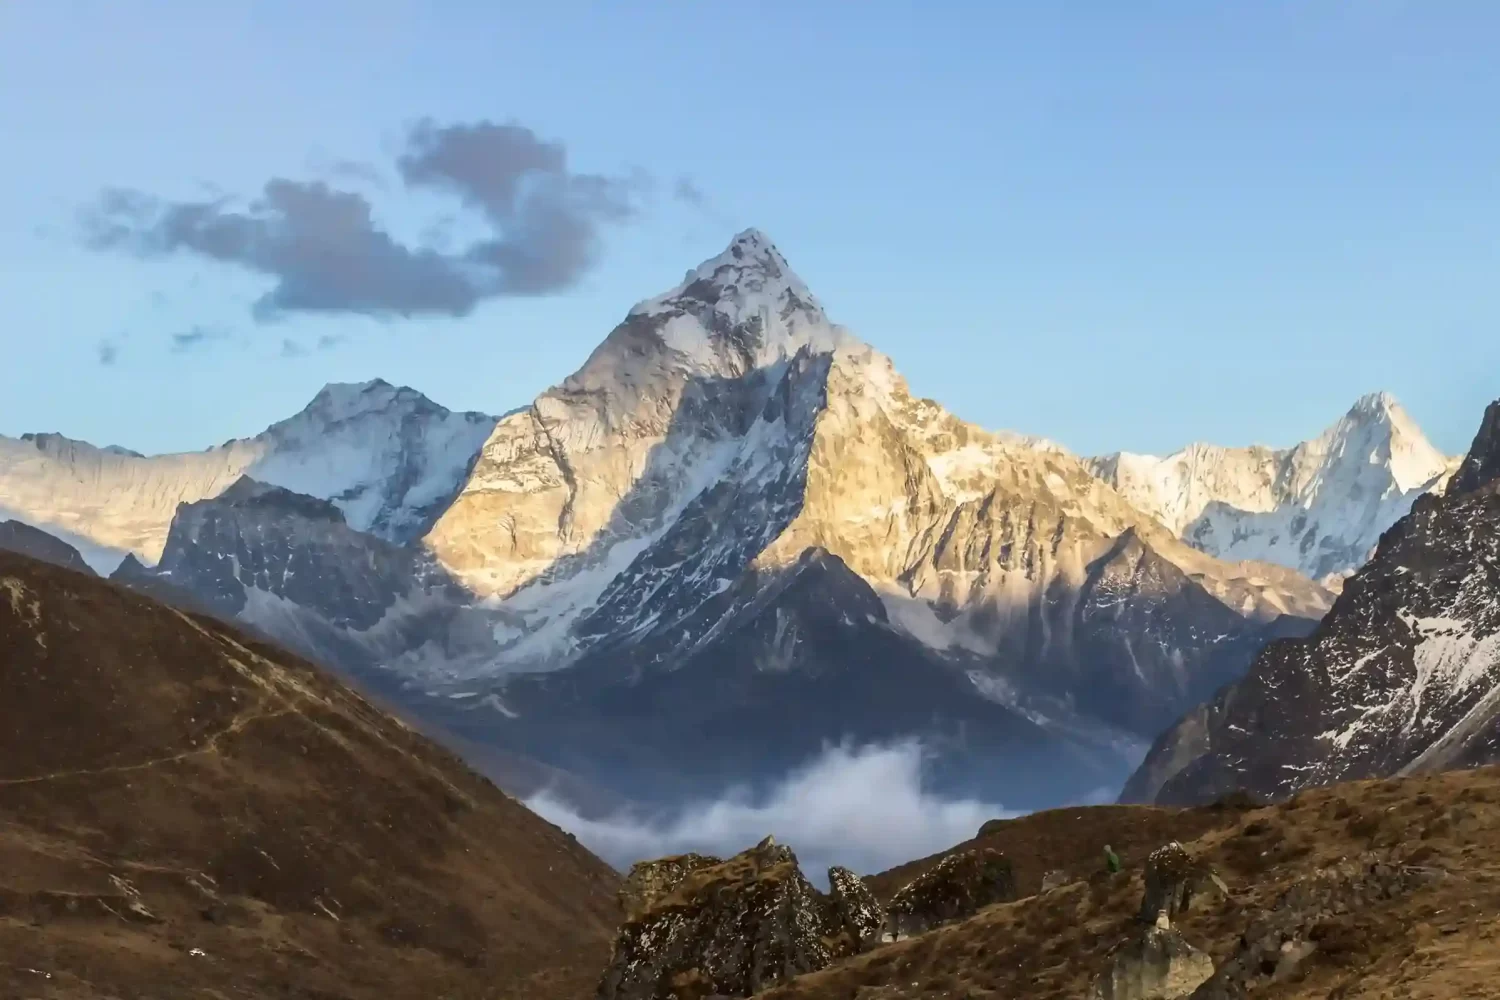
{"points": [[195, 337], [296, 349], [865, 808], [325, 253], [687, 191], [108, 353]]}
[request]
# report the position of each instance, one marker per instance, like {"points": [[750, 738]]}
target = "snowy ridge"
{"points": [[387, 456], [1318, 508]]}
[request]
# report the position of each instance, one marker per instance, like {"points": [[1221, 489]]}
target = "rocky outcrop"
{"points": [[1401, 676], [955, 888], [730, 929], [1157, 964], [1307, 919], [853, 908], [649, 881]]}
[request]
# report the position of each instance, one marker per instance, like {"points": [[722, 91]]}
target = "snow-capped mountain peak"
{"points": [[1318, 507], [353, 397], [1378, 430], [387, 456], [738, 311]]}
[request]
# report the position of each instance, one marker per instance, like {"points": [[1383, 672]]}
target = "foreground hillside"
{"points": [[1402, 871], [187, 812]]}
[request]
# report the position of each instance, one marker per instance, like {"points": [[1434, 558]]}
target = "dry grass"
{"points": [[1441, 942], [187, 812]]}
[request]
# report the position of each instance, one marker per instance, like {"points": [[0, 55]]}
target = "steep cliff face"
{"points": [[1402, 675], [1318, 508], [290, 565]]}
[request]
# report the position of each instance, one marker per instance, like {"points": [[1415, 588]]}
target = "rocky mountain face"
{"points": [[734, 520], [292, 566], [1402, 675], [388, 457], [1318, 508]]}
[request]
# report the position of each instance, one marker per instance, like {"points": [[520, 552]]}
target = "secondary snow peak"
{"points": [[1318, 507]]}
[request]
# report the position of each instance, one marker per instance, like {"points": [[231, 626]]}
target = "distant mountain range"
{"points": [[734, 536]]}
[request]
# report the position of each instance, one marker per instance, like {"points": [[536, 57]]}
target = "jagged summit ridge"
{"points": [[1318, 507], [740, 310]]}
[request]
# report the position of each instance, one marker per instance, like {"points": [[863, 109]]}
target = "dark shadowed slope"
{"points": [[16, 536], [188, 812]]}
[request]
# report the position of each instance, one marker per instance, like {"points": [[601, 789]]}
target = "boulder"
{"points": [[854, 908], [1056, 879], [729, 929], [1157, 964], [954, 889]]}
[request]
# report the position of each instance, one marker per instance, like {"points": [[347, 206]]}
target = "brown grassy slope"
{"points": [[1070, 840], [285, 837], [1441, 942]]}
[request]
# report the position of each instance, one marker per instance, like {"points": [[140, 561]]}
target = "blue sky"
{"points": [[1118, 224]]}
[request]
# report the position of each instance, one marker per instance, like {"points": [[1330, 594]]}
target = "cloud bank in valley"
{"points": [[862, 807]]}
